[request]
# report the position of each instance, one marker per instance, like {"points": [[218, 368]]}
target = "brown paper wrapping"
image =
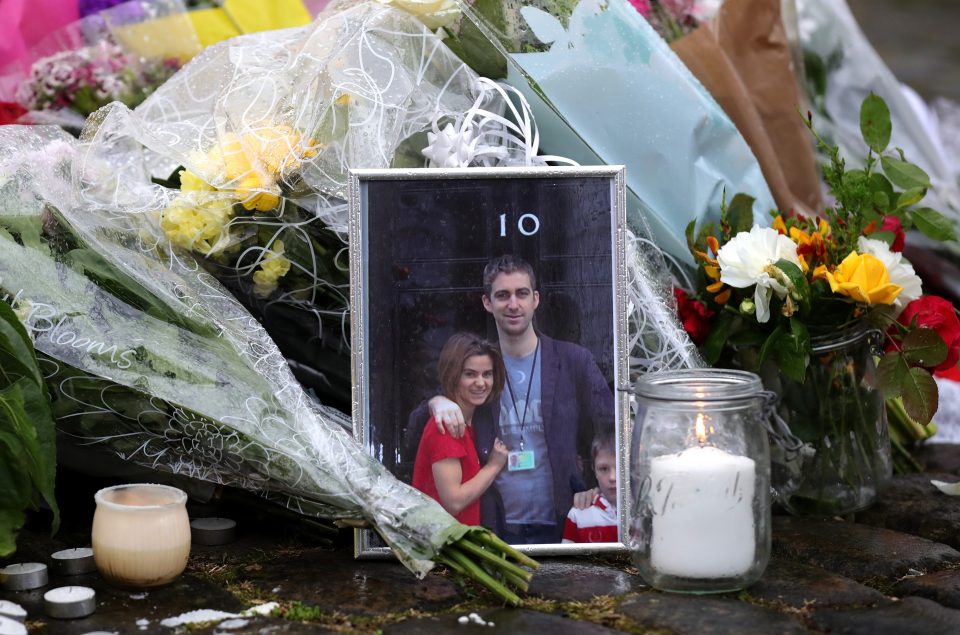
{"points": [[742, 58]]}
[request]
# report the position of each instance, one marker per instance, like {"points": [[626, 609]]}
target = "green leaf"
{"points": [[740, 213], [713, 346], [793, 351], [920, 395], [880, 184], [16, 351], [933, 224], [689, 232], [875, 123], [770, 345], [904, 174], [22, 452], [911, 197], [892, 372], [925, 347], [887, 237]]}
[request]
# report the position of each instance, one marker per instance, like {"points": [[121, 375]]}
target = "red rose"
{"points": [[694, 315], [892, 224], [935, 313], [10, 112]]}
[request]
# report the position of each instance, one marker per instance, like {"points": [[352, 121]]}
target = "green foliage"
{"points": [[738, 216], [933, 224], [904, 374], [875, 123], [27, 433], [867, 195]]}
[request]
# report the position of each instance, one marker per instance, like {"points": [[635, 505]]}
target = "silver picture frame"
{"points": [[419, 241]]}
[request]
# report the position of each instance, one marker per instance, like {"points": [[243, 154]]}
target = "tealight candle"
{"points": [[141, 534], [11, 627], [212, 531], [24, 576], [12, 610], [70, 602], [74, 561]]}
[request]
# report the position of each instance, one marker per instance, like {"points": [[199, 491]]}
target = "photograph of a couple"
{"points": [[490, 350]]}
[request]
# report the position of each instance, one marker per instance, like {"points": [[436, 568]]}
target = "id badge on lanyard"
{"points": [[518, 461]]}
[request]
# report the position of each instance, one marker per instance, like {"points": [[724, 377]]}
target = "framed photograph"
{"points": [[496, 297]]}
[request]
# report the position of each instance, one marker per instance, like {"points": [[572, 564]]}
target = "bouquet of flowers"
{"points": [[780, 297], [113, 53], [89, 78]]}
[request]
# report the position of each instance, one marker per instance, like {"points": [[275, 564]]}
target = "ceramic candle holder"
{"points": [[141, 534], [700, 473]]}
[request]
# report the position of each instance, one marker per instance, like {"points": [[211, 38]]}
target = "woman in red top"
{"points": [[447, 469]]}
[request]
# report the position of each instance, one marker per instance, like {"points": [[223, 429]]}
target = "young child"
{"points": [[598, 523]]}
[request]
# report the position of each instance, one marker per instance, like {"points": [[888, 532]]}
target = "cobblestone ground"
{"points": [[892, 569]]}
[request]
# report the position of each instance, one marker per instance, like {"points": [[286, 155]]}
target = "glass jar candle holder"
{"points": [[700, 477], [141, 534]]}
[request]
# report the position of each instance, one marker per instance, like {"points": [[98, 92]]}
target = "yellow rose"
{"points": [[273, 267], [864, 278]]}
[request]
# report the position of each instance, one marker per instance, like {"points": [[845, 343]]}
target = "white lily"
{"points": [[749, 259], [900, 270]]}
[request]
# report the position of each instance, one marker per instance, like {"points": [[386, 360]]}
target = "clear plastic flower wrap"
{"points": [[149, 358]]}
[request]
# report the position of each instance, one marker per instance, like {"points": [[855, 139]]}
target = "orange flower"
{"points": [[779, 225]]}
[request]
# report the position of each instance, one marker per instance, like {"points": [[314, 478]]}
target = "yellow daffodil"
{"points": [[863, 278], [273, 267]]}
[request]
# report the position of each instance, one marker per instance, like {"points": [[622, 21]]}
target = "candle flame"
{"points": [[700, 429]]}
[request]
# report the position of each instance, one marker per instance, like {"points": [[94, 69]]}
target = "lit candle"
{"points": [[703, 522]]}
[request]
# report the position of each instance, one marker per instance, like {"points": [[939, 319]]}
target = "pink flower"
{"points": [[643, 6]]}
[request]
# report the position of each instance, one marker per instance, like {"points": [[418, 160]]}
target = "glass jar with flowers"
{"points": [[833, 318]]}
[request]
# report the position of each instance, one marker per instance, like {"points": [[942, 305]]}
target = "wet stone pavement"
{"points": [[892, 569]]}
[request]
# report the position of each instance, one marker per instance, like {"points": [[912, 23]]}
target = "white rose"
{"points": [[900, 270], [748, 259]]}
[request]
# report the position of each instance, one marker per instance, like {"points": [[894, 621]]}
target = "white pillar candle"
{"points": [[703, 524], [69, 602]]}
